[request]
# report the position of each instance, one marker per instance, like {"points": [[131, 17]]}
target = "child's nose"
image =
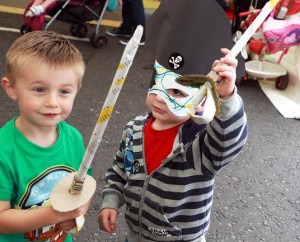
{"points": [[52, 100], [159, 98]]}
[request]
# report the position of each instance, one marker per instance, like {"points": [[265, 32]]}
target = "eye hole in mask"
{"points": [[176, 93]]}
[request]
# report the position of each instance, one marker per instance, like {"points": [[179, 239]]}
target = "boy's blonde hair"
{"points": [[43, 48]]}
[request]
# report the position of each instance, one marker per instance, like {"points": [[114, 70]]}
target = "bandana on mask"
{"points": [[164, 80]]}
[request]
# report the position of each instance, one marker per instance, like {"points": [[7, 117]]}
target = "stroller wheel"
{"points": [[79, 30], [98, 41], [25, 28]]}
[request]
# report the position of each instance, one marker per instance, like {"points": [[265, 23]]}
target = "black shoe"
{"points": [[118, 32], [125, 41]]}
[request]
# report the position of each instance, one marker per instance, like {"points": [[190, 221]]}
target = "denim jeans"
{"points": [[133, 14]]}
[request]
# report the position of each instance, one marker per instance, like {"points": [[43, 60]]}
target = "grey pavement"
{"points": [[256, 197]]}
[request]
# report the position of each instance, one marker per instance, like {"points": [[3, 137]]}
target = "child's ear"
{"points": [[8, 87]]}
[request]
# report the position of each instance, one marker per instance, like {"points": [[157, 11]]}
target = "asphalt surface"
{"points": [[256, 197]]}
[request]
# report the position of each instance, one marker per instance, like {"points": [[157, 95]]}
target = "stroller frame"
{"points": [[78, 29], [85, 6]]}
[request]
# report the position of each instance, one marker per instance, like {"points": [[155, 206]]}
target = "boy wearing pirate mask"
{"points": [[165, 168]]}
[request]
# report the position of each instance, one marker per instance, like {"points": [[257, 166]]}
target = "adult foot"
{"points": [[118, 32], [125, 41]]}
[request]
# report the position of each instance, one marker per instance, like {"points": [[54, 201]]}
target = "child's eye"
{"points": [[40, 89], [65, 91], [176, 93]]}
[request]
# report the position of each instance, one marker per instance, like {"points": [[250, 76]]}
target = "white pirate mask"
{"points": [[194, 102], [164, 80]]}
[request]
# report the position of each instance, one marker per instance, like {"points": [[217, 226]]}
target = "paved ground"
{"points": [[256, 197]]}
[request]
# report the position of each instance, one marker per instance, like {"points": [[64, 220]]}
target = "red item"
{"points": [[37, 22], [292, 6], [158, 145], [230, 15], [295, 7], [256, 45]]}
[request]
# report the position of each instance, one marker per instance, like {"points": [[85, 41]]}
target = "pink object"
{"points": [[37, 22], [79, 11], [281, 34]]}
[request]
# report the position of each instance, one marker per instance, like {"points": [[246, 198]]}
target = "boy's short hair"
{"points": [[40, 48]]}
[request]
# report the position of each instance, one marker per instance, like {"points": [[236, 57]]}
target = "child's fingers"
{"points": [[103, 220], [225, 67], [66, 225], [227, 75], [220, 65], [107, 220], [227, 60], [216, 62], [112, 220], [225, 51], [225, 71], [105, 226]]}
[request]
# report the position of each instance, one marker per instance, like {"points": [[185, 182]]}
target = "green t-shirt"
{"points": [[29, 172]]}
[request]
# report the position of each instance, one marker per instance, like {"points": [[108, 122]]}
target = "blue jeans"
{"points": [[133, 14]]}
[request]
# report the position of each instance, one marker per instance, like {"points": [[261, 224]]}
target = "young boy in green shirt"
{"points": [[38, 148]]}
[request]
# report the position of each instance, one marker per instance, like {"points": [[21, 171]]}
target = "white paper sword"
{"points": [[75, 189]]}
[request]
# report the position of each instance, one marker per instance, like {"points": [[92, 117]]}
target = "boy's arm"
{"points": [[112, 192], [227, 134], [116, 178], [20, 221]]}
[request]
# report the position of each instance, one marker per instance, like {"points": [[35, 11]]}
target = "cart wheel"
{"points": [[282, 82], [25, 28], [79, 30], [98, 41]]}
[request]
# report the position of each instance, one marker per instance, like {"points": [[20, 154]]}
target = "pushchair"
{"points": [[76, 12]]}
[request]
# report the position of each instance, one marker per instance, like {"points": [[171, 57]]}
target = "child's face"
{"points": [[168, 89], [161, 112], [45, 96]]}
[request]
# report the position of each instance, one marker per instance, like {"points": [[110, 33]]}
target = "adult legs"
{"points": [[126, 16], [133, 14], [137, 14], [125, 29]]}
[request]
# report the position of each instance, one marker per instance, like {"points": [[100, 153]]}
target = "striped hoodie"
{"points": [[174, 202]]}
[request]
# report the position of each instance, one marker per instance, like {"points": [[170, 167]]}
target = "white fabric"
{"points": [[287, 101]]}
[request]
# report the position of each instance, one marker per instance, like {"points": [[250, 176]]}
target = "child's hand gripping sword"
{"points": [[210, 95], [65, 198]]}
